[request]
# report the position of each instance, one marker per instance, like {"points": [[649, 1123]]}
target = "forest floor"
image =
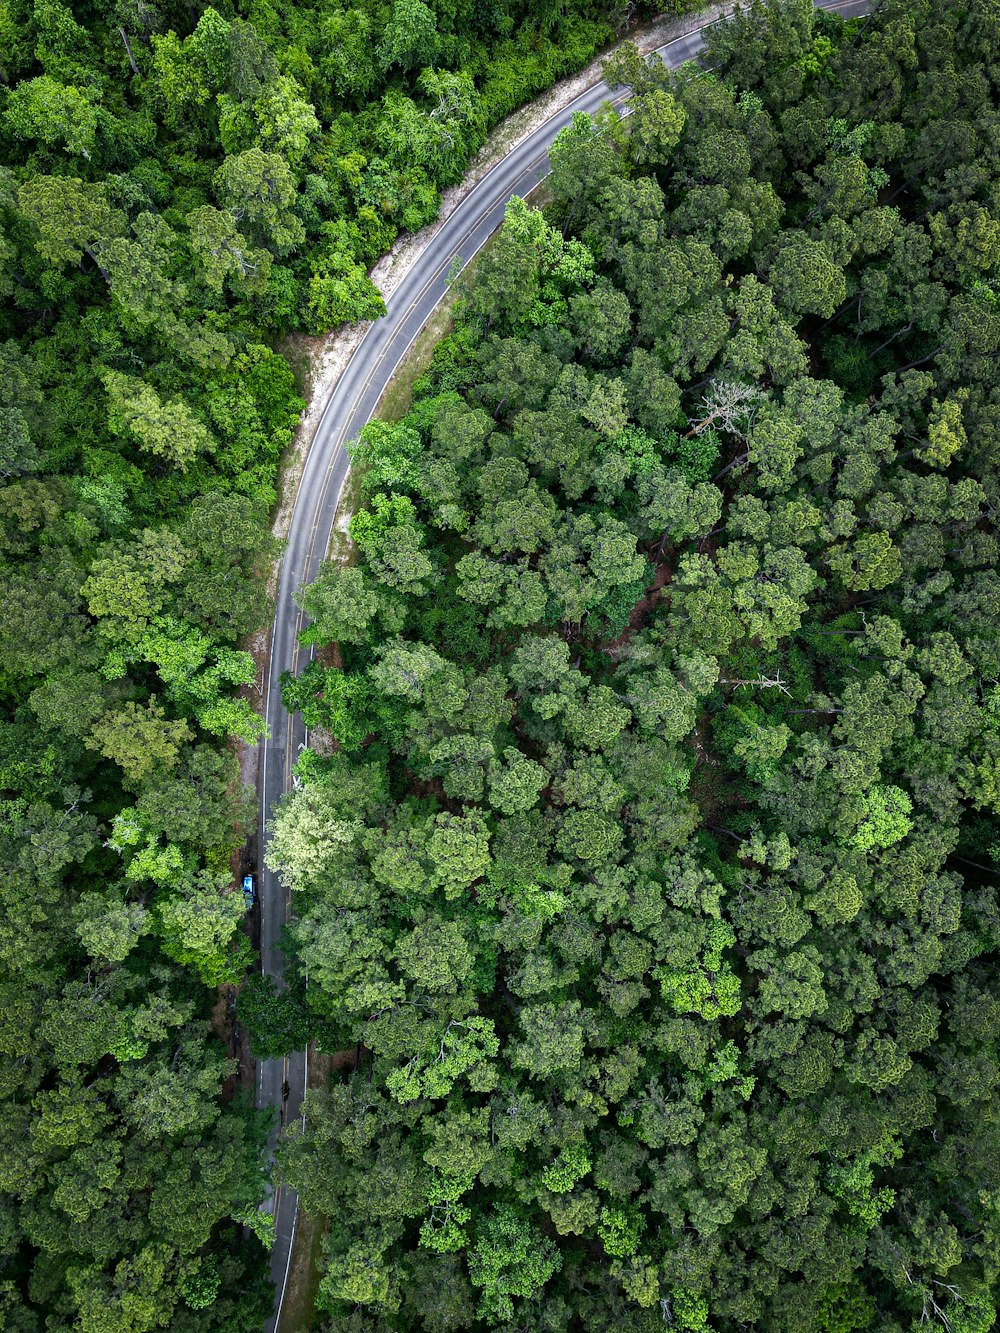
{"points": [[642, 610]]}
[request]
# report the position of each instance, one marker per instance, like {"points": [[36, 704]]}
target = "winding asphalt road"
{"points": [[281, 1083]]}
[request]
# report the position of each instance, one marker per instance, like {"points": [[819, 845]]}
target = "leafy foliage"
{"points": [[662, 898], [180, 186]]}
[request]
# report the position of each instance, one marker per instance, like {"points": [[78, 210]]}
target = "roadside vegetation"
{"points": [[180, 186], [654, 879]]}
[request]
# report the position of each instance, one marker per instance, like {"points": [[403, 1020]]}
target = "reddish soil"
{"points": [[330, 656], [349, 1059], [643, 608], [237, 1045]]}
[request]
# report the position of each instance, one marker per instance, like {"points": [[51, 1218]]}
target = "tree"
{"points": [[277, 1022], [70, 217], [806, 278], [304, 835], [278, 118], [656, 127], [872, 560], [53, 113], [139, 739], [643, 860], [71, 701], [164, 428], [224, 253], [387, 453], [601, 320], [341, 292], [552, 1041], [945, 433], [393, 542], [197, 928], [511, 1259], [515, 783], [464, 1050], [126, 585], [259, 187], [528, 268], [885, 820], [221, 589], [435, 955], [410, 38], [341, 604], [459, 851], [198, 802]]}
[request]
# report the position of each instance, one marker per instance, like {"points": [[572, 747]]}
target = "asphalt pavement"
{"points": [[281, 1083]]}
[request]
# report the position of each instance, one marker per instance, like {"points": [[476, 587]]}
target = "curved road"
{"points": [[281, 1083]]}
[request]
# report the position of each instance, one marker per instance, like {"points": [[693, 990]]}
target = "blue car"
{"points": [[249, 891]]}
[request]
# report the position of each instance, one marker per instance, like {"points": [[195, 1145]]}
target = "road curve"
{"points": [[281, 1083]]}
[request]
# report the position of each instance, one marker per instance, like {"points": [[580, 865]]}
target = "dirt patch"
{"points": [[347, 1059], [541, 195], [220, 1022], [341, 548], [643, 608], [330, 656], [325, 360], [237, 1044]]}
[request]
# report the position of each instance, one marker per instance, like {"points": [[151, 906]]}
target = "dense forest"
{"points": [[647, 856], [180, 185]]}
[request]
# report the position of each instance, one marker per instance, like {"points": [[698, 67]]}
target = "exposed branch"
{"points": [[128, 49]]}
